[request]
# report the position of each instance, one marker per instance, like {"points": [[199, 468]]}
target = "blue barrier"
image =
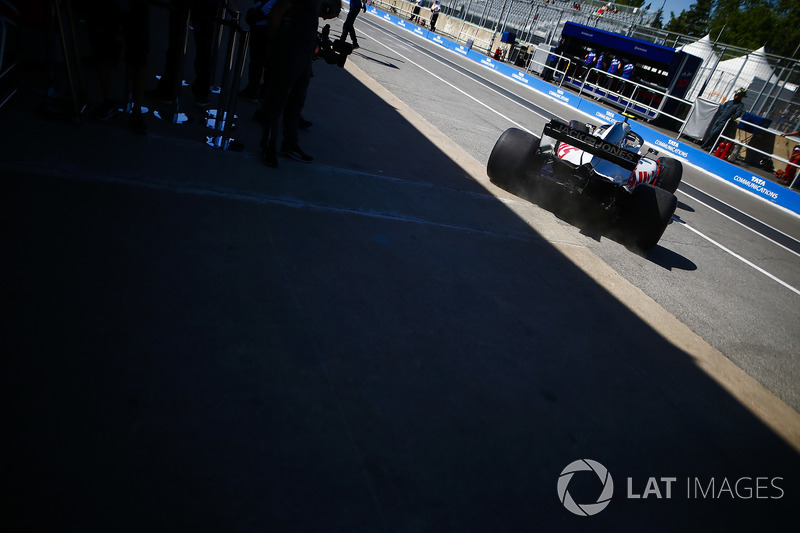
{"points": [[786, 198]]}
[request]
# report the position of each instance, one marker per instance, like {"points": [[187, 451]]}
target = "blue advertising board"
{"points": [[786, 198], [620, 43]]}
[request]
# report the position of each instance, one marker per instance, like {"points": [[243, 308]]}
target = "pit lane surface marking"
{"points": [[737, 256], [742, 224], [460, 71], [493, 88]]}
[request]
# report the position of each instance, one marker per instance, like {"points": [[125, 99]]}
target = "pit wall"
{"points": [[772, 192]]}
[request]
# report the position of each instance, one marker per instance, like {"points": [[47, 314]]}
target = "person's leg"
{"points": [[255, 70], [349, 25], [177, 26], [203, 24], [712, 136], [103, 22], [291, 117], [276, 92], [137, 48]]}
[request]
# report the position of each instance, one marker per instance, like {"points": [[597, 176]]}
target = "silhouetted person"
{"points": [[349, 23], [553, 60], [202, 13], [293, 28], [259, 49], [415, 13], [104, 19]]}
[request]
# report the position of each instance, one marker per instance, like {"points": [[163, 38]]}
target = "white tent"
{"points": [[738, 72], [702, 49], [705, 51]]}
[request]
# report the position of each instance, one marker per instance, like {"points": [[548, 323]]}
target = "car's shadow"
{"points": [[592, 220]]}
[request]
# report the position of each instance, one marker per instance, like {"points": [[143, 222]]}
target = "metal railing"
{"points": [[633, 97], [555, 71], [735, 152], [227, 22]]}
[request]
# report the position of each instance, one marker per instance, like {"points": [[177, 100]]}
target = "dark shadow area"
{"points": [[373, 55], [685, 207], [367, 343], [593, 221], [666, 258], [374, 60]]}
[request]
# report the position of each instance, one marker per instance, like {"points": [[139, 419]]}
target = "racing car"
{"points": [[601, 163]]}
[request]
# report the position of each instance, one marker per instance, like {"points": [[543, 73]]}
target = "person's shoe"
{"points": [[107, 110], [137, 124], [304, 124], [294, 152], [355, 46], [269, 157]]}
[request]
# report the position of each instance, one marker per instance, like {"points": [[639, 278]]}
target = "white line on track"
{"points": [[498, 113], [740, 258], [740, 223], [709, 239]]}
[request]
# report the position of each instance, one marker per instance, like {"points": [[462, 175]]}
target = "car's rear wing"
{"points": [[592, 144]]}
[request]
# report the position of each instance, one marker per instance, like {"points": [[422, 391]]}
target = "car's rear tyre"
{"points": [[514, 156], [669, 174], [647, 215]]}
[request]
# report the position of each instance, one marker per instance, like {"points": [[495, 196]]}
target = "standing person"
{"points": [[348, 28], [554, 59], [600, 66], [613, 68], [589, 61], [730, 109], [202, 13], [627, 72], [104, 19], [292, 28], [415, 14], [435, 8], [786, 176], [257, 18]]}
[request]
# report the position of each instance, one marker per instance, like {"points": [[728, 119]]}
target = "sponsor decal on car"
{"points": [[594, 145]]}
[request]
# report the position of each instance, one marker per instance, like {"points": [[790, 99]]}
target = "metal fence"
{"points": [[772, 82]]}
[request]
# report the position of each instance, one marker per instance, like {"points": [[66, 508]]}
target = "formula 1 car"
{"points": [[601, 163]]}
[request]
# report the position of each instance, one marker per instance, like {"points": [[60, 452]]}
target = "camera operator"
{"points": [[292, 28]]}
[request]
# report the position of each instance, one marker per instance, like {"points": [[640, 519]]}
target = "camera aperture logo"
{"points": [[585, 509], [593, 478]]}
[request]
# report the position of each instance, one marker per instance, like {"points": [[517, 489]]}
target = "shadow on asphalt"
{"points": [[595, 222], [202, 344]]}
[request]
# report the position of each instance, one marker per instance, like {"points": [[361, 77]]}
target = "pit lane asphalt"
{"points": [[372, 342], [712, 270]]}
